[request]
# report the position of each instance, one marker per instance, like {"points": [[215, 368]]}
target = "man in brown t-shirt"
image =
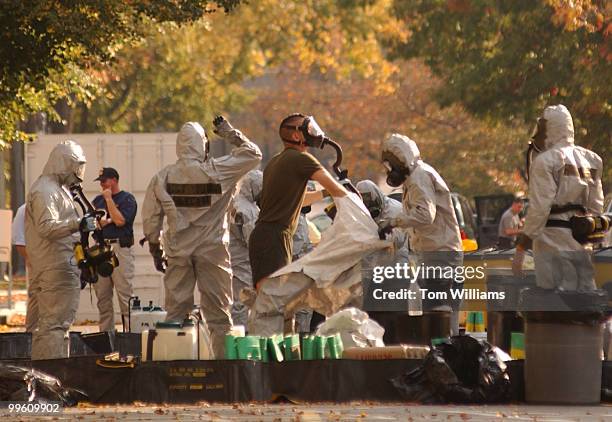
{"points": [[283, 195]]}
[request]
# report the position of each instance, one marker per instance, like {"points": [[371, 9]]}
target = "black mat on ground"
{"points": [[19, 345], [238, 381], [228, 381]]}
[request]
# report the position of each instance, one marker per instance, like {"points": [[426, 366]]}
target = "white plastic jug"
{"points": [[177, 341], [145, 318], [170, 341]]}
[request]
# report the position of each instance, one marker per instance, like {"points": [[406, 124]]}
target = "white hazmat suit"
{"points": [[428, 210], [428, 207], [194, 195], [244, 214], [51, 219], [562, 174], [388, 209]]}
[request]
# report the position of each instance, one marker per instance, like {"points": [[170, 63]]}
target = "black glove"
{"points": [[218, 121], [384, 229], [159, 259], [88, 223]]}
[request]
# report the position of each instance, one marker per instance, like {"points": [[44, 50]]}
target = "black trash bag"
{"points": [[18, 383], [461, 370]]}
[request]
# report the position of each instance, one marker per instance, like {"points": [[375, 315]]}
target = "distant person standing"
{"points": [[18, 241], [18, 232], [510, 225], [117, 228]]}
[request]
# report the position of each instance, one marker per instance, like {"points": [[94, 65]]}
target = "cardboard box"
{"points": [[400, 351]]}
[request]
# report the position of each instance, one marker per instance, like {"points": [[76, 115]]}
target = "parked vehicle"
{"points": [[489, 210]]}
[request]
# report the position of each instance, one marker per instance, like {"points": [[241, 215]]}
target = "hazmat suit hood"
{"points": [[368, 189], [67, 163], [191, 142], [251, 186], [559, 126], [404, 149]]}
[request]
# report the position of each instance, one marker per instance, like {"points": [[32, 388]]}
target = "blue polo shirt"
{"points": [[126, 203]]}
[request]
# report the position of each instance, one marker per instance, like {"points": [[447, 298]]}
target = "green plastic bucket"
{"points": [[274, 348], [439, 340], [249, 348], [231, 352], [334, 346], [292, 347], [263, 346], [319, 344], [308, 351]]}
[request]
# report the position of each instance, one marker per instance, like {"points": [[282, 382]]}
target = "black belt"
{"points": [[124, 242], [559, 223], [560, 209]]}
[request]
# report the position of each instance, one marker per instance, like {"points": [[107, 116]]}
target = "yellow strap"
{"points": [[110, 364]]}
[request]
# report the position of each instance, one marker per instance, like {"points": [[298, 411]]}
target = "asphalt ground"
{"points": [[320, 412]]}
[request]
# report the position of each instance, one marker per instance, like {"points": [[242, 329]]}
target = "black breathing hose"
{"points": [[342, 174]]}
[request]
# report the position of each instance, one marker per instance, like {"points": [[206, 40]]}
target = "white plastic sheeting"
{"points": [[352, 235], [355, 327], [327, 279]]}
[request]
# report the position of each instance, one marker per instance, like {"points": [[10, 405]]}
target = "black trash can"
{"points": [[401, 328], [128, 344], [15, 345], [503, 317]]}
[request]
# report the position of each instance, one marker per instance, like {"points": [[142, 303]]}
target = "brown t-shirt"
{"points": [[284, 185]]}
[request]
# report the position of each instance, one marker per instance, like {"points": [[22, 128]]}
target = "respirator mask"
{"points": [[77, 176], [536, 144], [313, 134], [396, 172], [369, 200]]}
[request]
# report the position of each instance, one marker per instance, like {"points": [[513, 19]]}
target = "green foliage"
{"points": [[473, 157], [503, 60], [190, 72], [46, 46]]}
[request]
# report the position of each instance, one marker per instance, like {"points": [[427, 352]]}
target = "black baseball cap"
{"points": [[107, 173]]}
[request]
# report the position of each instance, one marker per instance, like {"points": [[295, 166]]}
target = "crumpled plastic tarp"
{"points": [[327, 279], [460, 370], [355, 327], [352, 235], [23, 384]]}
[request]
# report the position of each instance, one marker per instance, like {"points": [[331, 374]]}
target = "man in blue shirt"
{"points": [[120, 207]]}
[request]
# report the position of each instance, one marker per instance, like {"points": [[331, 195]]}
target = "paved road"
{"points": [[327, 412]]}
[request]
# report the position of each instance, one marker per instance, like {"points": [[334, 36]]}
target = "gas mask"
{"points": [[536, 143], [313, 134], [77, 176], [371, 203], [396, 172]]}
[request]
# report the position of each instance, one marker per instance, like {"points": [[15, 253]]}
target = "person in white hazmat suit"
{"points": [[429, 212], [382, 208], [564, 183], [51, 220], [194, 196], [244, 214]]}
